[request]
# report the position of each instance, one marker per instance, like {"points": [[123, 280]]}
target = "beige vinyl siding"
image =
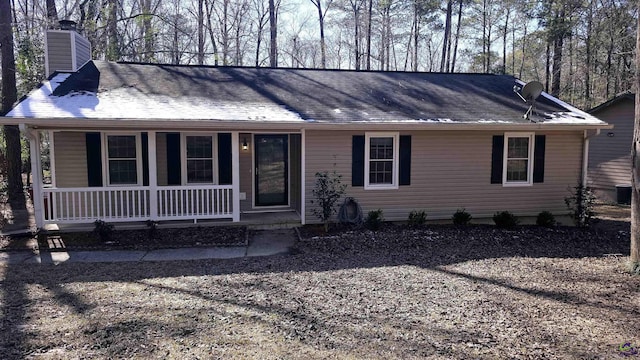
{"points": [[83, 50], [610, 156], [70, 154], [246, 175], [161, 159], [59, 51], [450, 170]]}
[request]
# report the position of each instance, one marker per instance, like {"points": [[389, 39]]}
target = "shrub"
{"points": [[505, 220], [581, 203], [327, 191], [546, 219], [103, 230], [461, 217], [417, 218], [374, 219], [152, 229]]}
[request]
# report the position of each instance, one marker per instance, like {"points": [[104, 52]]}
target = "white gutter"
{"points": [[207, 124]]}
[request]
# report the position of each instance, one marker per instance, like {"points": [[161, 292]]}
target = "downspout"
{"points": [[585, 155]]}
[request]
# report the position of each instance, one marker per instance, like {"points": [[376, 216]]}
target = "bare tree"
{"points": [[321, 17], [273, 32]]}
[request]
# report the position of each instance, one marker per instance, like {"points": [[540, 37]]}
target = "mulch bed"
{"points": [[131, 239]]}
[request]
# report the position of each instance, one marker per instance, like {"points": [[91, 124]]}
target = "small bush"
{"points": [[326, 193], [374, 220], [546, 219], [461, 218], [581, 203], [103, 230], [417, 218], [505, 220], [152, 229]]}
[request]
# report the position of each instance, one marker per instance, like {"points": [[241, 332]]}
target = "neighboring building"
{"points": [[610, 153], [132, 142]]}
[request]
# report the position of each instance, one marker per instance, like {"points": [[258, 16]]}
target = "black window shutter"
{"points": [[224, 159], [173, 159], [94, 159], [405, 160], [144, 140], [538, 159], [357, 160], [497, 153]]}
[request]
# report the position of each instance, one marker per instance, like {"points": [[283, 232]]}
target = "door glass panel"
{"points": [[271, 170]]}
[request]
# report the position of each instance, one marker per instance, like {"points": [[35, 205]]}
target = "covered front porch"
{"points": [[166, 176]]}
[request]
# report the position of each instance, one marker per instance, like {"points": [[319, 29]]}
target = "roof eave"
{"points": [[208, 124]]}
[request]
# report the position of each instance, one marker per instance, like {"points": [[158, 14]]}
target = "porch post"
{"points": [[153, 176], [235, 174], [36, 175]]}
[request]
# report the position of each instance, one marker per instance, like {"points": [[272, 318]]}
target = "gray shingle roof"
{"points": [[104, 90]]}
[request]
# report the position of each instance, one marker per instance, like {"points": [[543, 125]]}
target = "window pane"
{"points": [[123, 172], [122, 146], [518, 147], [381, 148], [199, 147], [380, 172], [199, 171], [517, 170]]}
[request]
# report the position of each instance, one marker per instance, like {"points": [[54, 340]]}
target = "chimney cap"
{"points": [[67, 25]]}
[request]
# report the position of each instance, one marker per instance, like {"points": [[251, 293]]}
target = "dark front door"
{"points": [[272, 169]]}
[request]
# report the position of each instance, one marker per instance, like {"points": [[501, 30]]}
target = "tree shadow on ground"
{"points": [[435, 248]]}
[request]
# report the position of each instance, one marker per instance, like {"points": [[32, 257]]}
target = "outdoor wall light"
{"points": [[245, 146], [610, 134]]}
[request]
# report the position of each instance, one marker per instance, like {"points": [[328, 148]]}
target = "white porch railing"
{"points": [[195, 202], [120, 204]]}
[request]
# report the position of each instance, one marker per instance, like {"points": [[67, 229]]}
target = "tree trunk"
{"points": [[416, 35], [9, 97], [113, 54], [355, 6], [447, 35], [273, 29], [455, 46], [369, 20], [147, 31], [200, 32], [635, 171], [52, 13], [211, 34], [504, 41]]}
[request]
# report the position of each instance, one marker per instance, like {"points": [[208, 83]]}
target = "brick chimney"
{"points": [[65, 49]]}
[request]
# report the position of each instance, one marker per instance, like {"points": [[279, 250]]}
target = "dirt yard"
{"points": [[438, 292]]}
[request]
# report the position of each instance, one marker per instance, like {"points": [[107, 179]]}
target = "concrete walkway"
{"points": [[261, 243]]}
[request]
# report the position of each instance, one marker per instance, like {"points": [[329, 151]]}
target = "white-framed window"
{"points": [[199, 159], [518, 159], [381, 161], [123, 155]]}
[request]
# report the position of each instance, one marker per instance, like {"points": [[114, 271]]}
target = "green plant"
{"points": [[152, 229], [327, 191], [634, 268], [505, 220], [546, 219], [417, 218], [103, 230], [374, 220], [461, 217], [581, 203]]}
